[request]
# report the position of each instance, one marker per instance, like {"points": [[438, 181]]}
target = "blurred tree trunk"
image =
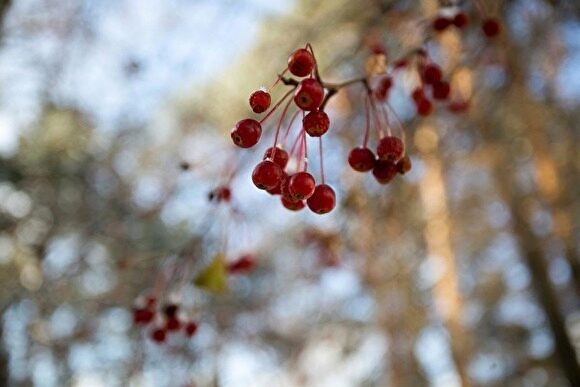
{"points": [[439, 245]]}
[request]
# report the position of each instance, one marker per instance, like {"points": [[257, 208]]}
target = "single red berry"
{"points": [[461, 20], [143, 316], [322, 200], [170, 310], [243, 264], [404, 165], [220, 194], [400, 63], [292, 205], [361, 159], [301, 62], [491, 27], [158, 335], [382, 90], [432, 74], [440, 23], [172, 324], [277, 190], [280, 157], [190, 328], [316, 123], [390, 148], [459, 106], [384, 171], [260, 101], [246, 133], [150, 302], [309, 94], [267, 175], [441, 90], [301, 185], [418, 95], [424, 107]]}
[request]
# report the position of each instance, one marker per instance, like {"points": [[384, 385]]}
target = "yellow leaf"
{"points": [[214, 277]]}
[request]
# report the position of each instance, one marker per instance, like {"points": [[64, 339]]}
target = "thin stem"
{"points": [[367, 121], [276, 106], [289, 127], [295, 144], [279, 78], [305, 148], [380, 132], [386, 117], [321, 159], [279, 126], [399, 122]]}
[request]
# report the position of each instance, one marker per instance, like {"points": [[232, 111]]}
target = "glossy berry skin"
{"points": [[280, 156], [316, 123], [491, 27], [301, 186], [143, 316], [267, 175], [190, 328], [301, 62], [461, 20], [292, 205], [361, 159], [309, 94], [441, 23], [390, 148], [172, 324], [382, 90], [404, 165], [260, 101], [441, 90], [322, 200], [384, 171], [158, 335], [246, 133], [432, 74], [243, 264], [424, 107]]}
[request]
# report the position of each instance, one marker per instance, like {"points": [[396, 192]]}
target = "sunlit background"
{"points": [[465, 272]]}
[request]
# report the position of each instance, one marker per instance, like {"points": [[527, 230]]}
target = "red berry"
{"points": [[190, 328], [309, 94], [322, 200], [284, 191], [172, 324], [458, 106], [432, 74], [301, 62], [260, 101], [461, 20], [150, 302], [158, 335], [316, 123], [424, 107], [440, 23], [418, 94], [221, 194], [361, 159], [277, 190], [301, 185], [242, 265], [170, 310], [390, 148], [400, 63], [404, 165], [246, 133], [441, 90], [384, 171], [280, 156], [382, 90], [143, 316], [292, 205], [491, 27], [267, 175]]}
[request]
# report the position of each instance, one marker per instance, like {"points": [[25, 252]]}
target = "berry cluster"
{"points": [[276, 174], [164, 320], [453, 17]]}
